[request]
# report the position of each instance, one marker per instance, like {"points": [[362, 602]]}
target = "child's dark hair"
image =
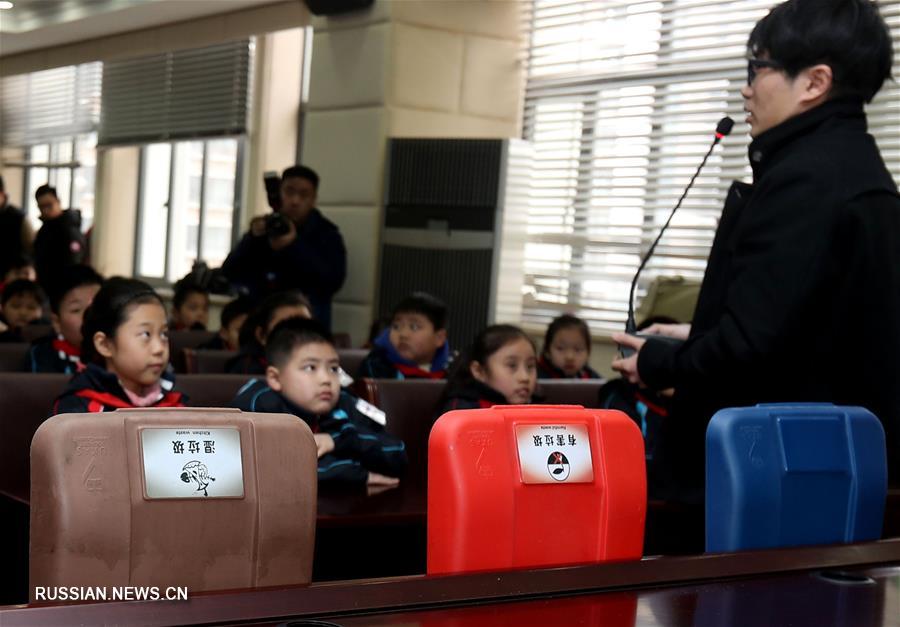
{"points": [[110, 309], [274, 302], [291, 334], [485, 344], [184, 288], [237, 307], [72, 277], [566, 321], [20, 287], [850, 36], [427, 305]]}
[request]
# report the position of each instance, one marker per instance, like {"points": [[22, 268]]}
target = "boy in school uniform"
{"points": [[414, 345], [60, 351], [303, 378]]}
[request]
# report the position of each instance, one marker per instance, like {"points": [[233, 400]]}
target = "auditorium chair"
{"points": [[351, 358], [26, 400], [207, 499], [534, 486], [203, 361], [584, 392], [210, 390], [410, 407], [180, 340], [32, 332], [783, 475], [12, 356]]}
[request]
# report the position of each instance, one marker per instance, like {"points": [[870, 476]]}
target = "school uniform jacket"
{"points": [[474, 395], [52, 353], [360, 444], [546, 370], [96, 390], [384, 362]]}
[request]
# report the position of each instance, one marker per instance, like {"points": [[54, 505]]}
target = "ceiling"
{"points": [[35, 24]]}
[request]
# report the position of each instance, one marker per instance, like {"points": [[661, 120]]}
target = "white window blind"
{"points": [[621, 102], [201, 92], [44, 106]]}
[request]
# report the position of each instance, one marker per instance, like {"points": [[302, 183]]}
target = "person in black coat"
{"points": [[16, 235], [303, 378], [59, 242], [303, 251], [801, 297]]}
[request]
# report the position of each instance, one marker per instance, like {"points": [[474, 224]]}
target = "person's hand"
{"points": [[376, 479], [283, 241], [258, 226], [324, 444], [628, 366], [677, 331]]}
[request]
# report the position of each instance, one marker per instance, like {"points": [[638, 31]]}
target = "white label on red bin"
{"points": [[554, 453], [192, 462]]}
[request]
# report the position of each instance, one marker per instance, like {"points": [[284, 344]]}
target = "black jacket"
{"points": [[801, 297], [472, 394], [361, 444], [315, 263], [59, 243], [96, 389], [52, 353], [13, 236], [384, 362]]}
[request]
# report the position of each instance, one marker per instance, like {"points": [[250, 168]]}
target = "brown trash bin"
{"points": [[209, 499]]}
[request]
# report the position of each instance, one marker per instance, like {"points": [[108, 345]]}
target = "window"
{"points": [[53, 116], [187, 204], [70, 166], [621, 101]]}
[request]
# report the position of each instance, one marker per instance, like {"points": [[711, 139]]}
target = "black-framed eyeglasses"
{"points": [[755, 65]]}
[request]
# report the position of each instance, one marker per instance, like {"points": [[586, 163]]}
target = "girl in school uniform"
{"points": [[500, 368], [567, 347], [125, 345]]}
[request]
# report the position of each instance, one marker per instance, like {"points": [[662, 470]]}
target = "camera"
{"points": [[276, 225]]}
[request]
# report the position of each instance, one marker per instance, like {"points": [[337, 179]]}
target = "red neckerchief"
{"points": [[557, 373], [417, 373], [68, 352], [659, 409], [100, 400]]}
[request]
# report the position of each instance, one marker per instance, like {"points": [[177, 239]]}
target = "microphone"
{"points": [[723, 129]]}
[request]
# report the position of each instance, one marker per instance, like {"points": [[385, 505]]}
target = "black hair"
{"points": [[301, 172], [185, 287], [20, 287], [566, 321], [262, 316], [72, 277], [485, 344], [46, 188], [2, 185], [291, 334], [110, 310], [427, 305], [850, 36], [237, 307]]}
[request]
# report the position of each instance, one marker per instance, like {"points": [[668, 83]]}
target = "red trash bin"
{"points": [[525, 486]]}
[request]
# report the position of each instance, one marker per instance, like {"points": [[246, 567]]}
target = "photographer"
{"points": [[295, 247]]}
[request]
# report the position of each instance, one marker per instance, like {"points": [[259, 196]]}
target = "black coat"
{"points": [[315, 263], [59, 243], [96, 389], [12, 237], [801, 297]]}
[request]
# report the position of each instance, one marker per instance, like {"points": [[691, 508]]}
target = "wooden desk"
{"points": [[753, 588]]}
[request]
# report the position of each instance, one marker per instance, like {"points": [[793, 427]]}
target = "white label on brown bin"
{"points": [[554, 453], [192, 462]]}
